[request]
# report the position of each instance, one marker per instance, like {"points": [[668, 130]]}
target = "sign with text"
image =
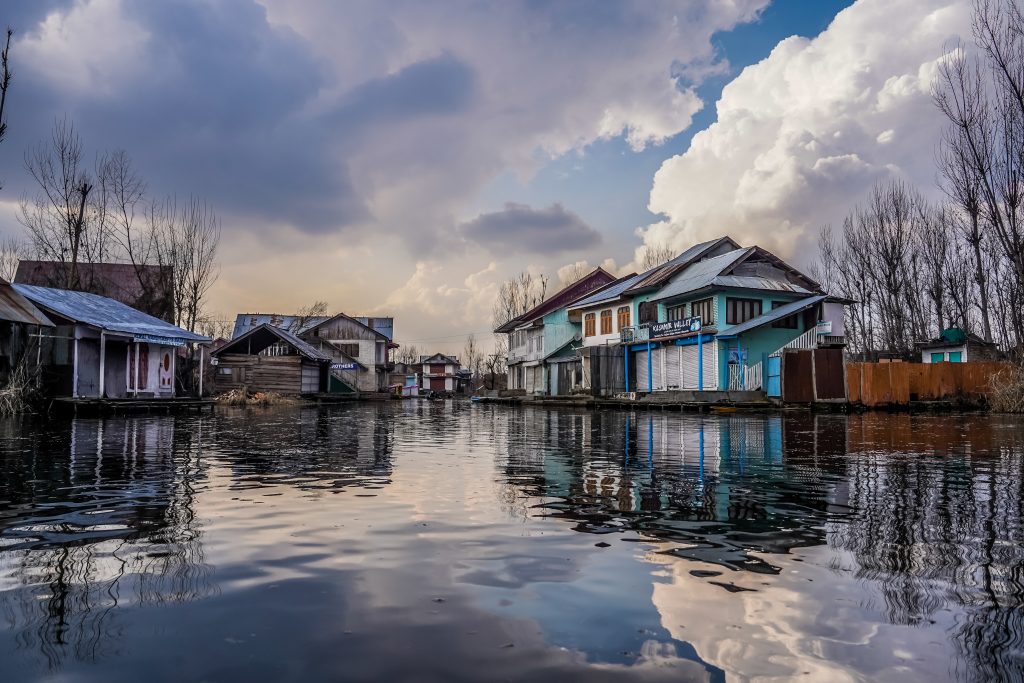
{"points": [[674, 327], [344, 366]]}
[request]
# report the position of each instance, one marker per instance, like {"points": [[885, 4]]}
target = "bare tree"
{"points": [[10, 254], [58, 218], [408, 354], [308, 315], [5, 82], [215, 326], [472, 357], [655, 255]]}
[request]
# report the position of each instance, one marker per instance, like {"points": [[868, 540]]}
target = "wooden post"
{"points": [[74, 368], [103, 360], [201, 349], [137, 369]]}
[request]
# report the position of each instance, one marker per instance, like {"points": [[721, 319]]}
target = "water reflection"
{"points": [[481, 541]]}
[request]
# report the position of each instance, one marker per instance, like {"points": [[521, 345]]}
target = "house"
{"points": [[440, 373], [147, 288], [102, 348], [267, 358], [540, 358], [359, 347], [717, 317], [957, 346], [20, 321]]}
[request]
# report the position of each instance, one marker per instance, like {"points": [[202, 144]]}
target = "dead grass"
{"points": [[1006, 390], [20, 392], [263, 399]]}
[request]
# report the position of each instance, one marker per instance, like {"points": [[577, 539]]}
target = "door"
{"points": [[437, 383], [773, 379]]}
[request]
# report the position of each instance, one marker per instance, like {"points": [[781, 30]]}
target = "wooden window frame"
{"points": [[790, 322], [737, 307], [623, 315], [606, 321], [590, 325], [675, 312], [696, 309]]}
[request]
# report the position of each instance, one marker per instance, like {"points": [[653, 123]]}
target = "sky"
{"points": [[396, 157]]}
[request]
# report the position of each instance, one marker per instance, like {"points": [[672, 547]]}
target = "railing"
{"points": [[637, 333], [745, 377]]}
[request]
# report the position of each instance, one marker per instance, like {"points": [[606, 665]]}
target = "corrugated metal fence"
{"points": [[881, 384]]}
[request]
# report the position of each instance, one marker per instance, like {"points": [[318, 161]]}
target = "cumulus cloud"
{"points": [[340, 135], [801, 136], [519, 228]]}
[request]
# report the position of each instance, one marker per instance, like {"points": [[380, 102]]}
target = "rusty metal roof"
{"points": [[17, 309], [265, 335]]}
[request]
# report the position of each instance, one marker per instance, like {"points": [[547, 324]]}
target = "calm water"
{"points": [[450, 541]]}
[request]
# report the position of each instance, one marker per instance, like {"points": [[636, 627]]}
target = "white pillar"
{"points": [[103, 360], [137, 369], [74, 368], [201, 357]]}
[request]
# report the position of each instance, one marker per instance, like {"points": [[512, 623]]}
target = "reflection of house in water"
{"points": [[105, 516], [717, 485]]}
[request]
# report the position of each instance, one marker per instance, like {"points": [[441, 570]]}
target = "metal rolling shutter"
{"points": [[710, 362], [658, 368], [673, 368], [689, 366], [641, 371]]}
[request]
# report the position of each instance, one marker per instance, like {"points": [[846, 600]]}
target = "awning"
{"points": [[773, 315]]}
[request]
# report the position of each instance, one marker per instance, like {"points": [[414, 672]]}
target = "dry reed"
{"points": [[242, 397], [1006, 390]]}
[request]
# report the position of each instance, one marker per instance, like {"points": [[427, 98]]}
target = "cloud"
{"points": [[801, 136], [519, 228]]}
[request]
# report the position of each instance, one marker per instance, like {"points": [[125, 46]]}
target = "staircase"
{"points": [[751, 377]]}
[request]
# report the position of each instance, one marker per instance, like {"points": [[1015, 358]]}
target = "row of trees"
{"points": [[102, 213], [916, 268]]}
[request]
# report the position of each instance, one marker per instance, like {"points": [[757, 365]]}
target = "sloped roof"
{"points": [[599, 278], [660, 274], [106, 314], [17, 309], [384, 326], [439, 357], [773, 315], [610, 293], [701, 274], [262, 337]]}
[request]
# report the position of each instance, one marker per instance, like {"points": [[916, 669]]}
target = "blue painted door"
{"points": [[774, 381]]}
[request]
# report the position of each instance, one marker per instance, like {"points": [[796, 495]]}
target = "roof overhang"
{"points": [[772, 316]]}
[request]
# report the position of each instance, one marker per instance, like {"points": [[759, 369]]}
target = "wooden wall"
{"points": [[883, 384], [279, 374]]}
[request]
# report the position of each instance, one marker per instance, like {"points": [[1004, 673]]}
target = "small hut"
{"points": [[267, 358], [20, 321], [102, 348]]}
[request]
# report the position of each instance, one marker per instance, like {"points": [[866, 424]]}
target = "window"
{"points": [[705, 310], [351, 350], [648, 312], [790, 322], [676, 312], [588, 325], [606, 321], [938, 357], [741, 310], [954, 356], [623, 316]]}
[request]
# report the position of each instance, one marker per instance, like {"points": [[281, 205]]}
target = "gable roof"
{"points": [[598, 278], [244, 322], [16, 308], [660, 274], [309, 328], [259, 338], [439, 357], [610, 293], [107, 314], [714, 272]]}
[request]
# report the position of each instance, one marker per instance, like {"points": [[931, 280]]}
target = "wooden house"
{"points": [[21, 328], [440, 373], [267, 358], [102, 348]]}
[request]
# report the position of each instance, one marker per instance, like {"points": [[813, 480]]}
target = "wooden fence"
{"points": [[897, 384]]}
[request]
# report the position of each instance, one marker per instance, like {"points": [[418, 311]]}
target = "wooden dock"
{"points": [[124, 406]]}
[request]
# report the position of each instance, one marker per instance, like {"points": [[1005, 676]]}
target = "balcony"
{"points": [[632, 335]]}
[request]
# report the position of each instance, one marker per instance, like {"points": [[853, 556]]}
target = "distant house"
{"points": [[19, 318], [540, 358], [267, 358], [358, 347], [956, 346], [440, 373], [102, 348], [149, 289]]}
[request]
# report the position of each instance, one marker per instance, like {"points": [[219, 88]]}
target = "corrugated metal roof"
{"points": [[106, 314], [753, 282], [773, 315], [701, 274], [655, 276], [247, 321], [265, 334], [608, 294], [17, 309]]}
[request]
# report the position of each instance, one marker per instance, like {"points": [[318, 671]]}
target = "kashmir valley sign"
{"points": [[675, 327]]}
